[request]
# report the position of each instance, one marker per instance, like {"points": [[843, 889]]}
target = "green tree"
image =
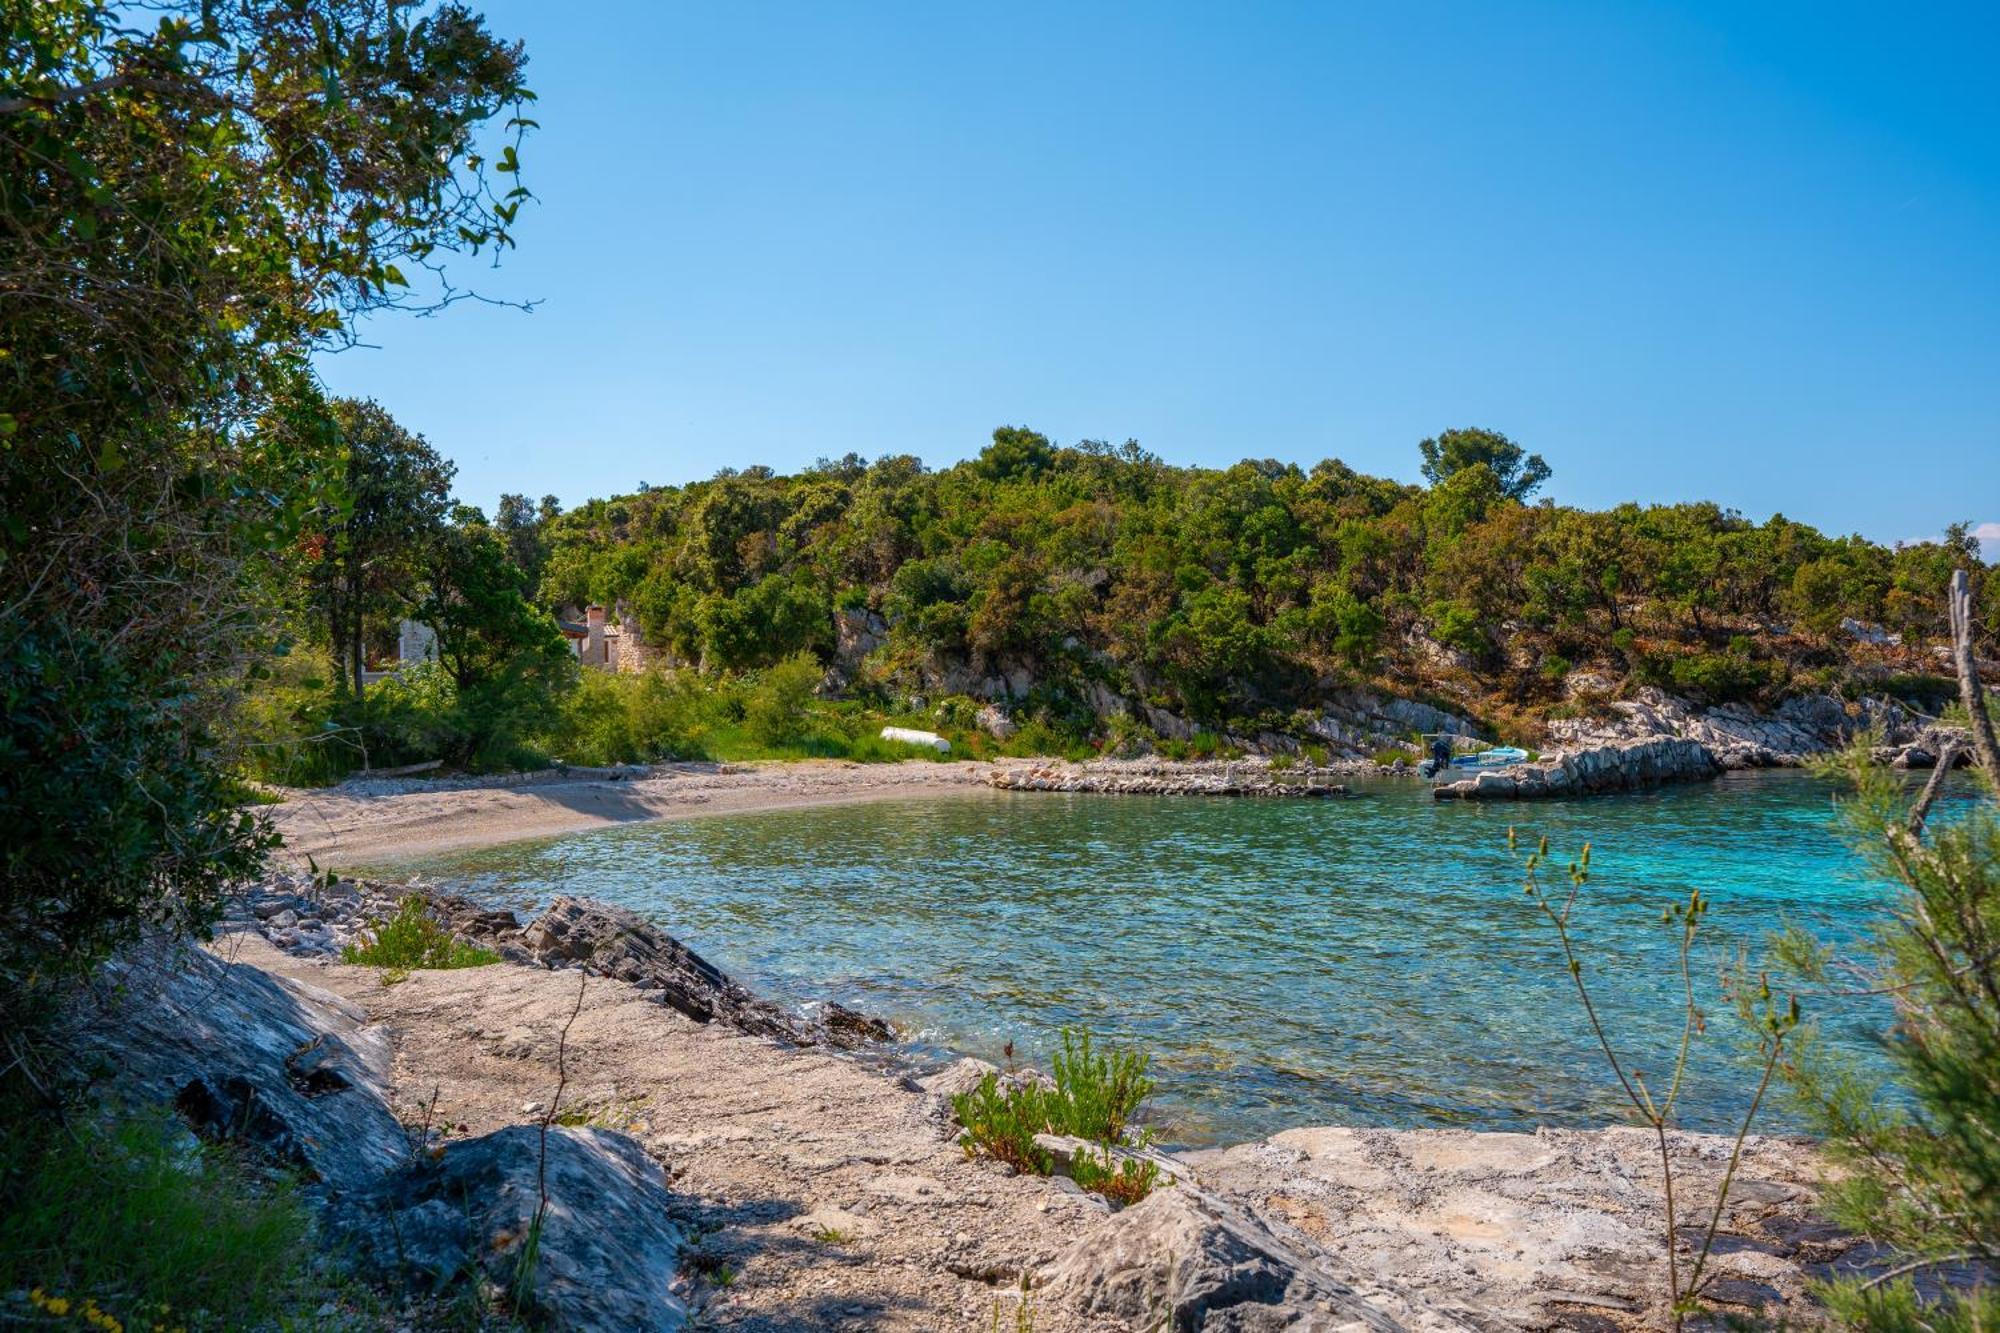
{"points": [[1921, 1174], [1519, 474], [193, 198], [391, 494]]}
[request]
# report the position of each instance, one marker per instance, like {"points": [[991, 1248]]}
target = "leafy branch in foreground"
{"points": [[1773, 1022], [1921, 1173]]}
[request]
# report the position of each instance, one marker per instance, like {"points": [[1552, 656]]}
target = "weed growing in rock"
{"points": [[1003, 1125], [411, 940], [1772, 1022], [1096, 1093], [832, 1236], [1094, 1096], [1123, 1180]]}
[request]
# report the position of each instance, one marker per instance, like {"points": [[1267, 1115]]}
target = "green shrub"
{"points": [[1094, 1097], [619, 718], [1123, 1180], [411, 940], [1096, 1092], [128, 1218], [776, 711], [117, 818], [1004, 1125]]}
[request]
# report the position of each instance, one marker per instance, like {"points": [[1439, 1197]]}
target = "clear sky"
{"points": [[1743, 252]]}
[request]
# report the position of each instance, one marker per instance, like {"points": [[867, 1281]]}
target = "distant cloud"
{"points": [[1987, 533]]}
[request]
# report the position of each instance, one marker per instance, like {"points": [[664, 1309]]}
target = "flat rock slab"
{"points": [[1522, 1229]]}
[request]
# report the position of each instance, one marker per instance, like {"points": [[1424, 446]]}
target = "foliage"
{"points": [[1003, 1125], [124, 1215], [1920, 1173], [1517, 473], [628, 718], [387, 494], [1093, 1095], [775, 712], [1773, 1023], [115, 820], [193, 199], [1123, 1180], [1096, 1092], [411, 940], [1222, 595]]}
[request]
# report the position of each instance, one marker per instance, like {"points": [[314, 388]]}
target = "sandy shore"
{"points": [[378, 823]]}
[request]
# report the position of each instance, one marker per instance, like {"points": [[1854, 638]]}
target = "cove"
{"points": [[1363, 962]]}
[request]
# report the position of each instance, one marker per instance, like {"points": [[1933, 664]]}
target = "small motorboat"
{"points": [[1498, 757]]}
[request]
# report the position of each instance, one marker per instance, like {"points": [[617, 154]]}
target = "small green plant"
{"points": [[832, 1236], [1096, 1092], [1094, 1096], [1772, 1022], [125, 1217], [1004, 1125], [1123, 1180], [410, 941]]}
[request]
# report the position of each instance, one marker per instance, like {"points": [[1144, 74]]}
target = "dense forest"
{"points": [[1236, 594]]}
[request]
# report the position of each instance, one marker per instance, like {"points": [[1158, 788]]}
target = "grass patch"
{"points": [[1095, 1096], [127, 1223], [411, 940]]}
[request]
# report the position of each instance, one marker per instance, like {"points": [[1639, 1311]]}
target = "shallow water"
{"points": [[1368, 962]]}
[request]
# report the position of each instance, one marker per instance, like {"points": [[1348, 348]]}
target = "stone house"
{"points": [[598, 642]]}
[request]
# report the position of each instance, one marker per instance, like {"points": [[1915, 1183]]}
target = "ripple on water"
{"points": [[1360, 962]]}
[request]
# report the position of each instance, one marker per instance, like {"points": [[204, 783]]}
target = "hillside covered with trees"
{"points": [[1233, 597]]}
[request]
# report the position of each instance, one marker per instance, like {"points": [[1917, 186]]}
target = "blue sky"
{"points": [[1749, 253]]}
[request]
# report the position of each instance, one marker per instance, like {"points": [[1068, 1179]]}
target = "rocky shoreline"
{"points": [[781, 1170], [1148, 777]]}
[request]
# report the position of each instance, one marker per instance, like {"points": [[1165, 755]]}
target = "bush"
{"points": [[118, 818], [411, 940], [126, 1219], [614, 718], [1094, 1097], [1123, 1180], [776, 711], [1003, 1125], [1096, 1093]]}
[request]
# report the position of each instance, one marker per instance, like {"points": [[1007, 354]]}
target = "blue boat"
{"points": [[1497, 757]]}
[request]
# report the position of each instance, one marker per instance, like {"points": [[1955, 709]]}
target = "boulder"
{"points": [[1182, 1259], [606, 1258], [285, 1069]]}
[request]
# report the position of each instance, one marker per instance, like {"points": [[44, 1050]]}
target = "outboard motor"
{"points": [[1440, 759]]}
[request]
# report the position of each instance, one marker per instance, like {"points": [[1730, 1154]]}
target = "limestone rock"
{"points": [[1184, 1260], [1617, 766], [278, 1066], [995, 723], [622, 944], [607, 1255]]}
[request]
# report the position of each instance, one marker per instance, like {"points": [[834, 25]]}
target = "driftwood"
{"points": [[403, 771], [1984, 747]]}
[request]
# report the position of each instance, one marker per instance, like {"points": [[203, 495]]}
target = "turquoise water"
{"points": [[1367, 962]]}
